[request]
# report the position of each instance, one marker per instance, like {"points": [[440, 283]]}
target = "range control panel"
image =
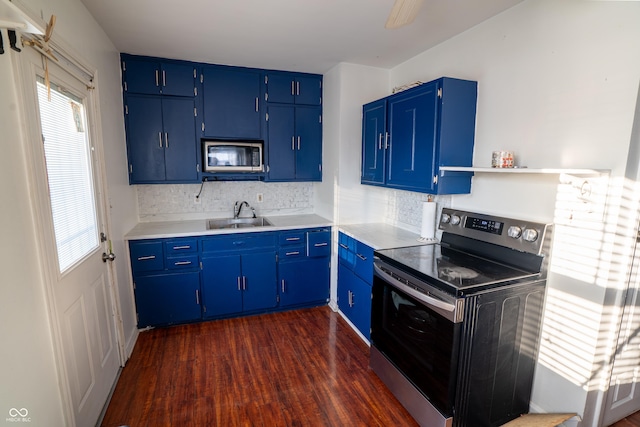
{"points": [[513, 233]]}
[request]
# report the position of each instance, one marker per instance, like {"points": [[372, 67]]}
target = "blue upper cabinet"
{"points": [[143, 75], [231, 98], [294, 135], [407, 136], [293, 88]]}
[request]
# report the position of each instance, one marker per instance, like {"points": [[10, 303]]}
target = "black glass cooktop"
{"points": [[457, 272]]}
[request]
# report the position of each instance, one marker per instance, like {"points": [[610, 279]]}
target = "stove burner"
{"points": [[458, 273]]}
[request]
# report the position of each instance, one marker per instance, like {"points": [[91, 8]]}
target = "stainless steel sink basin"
{"points": [[216, 224]]}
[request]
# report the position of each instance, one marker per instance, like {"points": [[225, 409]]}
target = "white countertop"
{"points": [[186, 228], [381, 236]]}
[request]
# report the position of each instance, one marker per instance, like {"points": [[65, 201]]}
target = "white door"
{"points": [[70, 208], [623, 396]]}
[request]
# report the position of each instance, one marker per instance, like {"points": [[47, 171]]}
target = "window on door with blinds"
{"points": [[69, 171]]}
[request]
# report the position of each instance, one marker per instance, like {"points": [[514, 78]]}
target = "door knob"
{"points": [[108, 256]]}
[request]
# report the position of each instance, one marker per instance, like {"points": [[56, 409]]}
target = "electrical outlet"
{"points": [[196, 200], [259, 198]]}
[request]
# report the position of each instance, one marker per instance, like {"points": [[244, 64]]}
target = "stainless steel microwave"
{"points": [[233, 156]]}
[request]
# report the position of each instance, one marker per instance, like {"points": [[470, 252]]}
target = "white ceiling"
{"points": [[295, 35]]}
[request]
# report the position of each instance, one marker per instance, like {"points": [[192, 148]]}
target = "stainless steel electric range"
{"points": [[455, 326]]}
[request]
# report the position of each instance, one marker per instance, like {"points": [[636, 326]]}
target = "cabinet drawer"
{"points": [[182, 246], [238, 242], [146, 256], [347, 242], [364, 262], [184, 262], [292, 238], [319, 243], [291, 252]]}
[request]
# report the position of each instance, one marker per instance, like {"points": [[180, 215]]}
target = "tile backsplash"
{"points": [[170, 202]]}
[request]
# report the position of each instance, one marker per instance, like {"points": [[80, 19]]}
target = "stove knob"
{"points": [[530, 235], [455, 220], [445, 218], [514, 231]]}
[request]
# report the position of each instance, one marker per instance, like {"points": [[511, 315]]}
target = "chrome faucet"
{"points": [[237, 208]]}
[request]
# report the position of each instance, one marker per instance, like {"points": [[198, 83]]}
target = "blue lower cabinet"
{"points": [[354, 299], [304, 282], [167, 299], [233, 284]]}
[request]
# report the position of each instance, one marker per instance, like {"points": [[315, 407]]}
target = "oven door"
{"points": [[418, 336]]}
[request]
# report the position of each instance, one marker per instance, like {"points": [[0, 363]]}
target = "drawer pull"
{"points": [[145, 258], [343, 246], [318, 245], [239, 242], [292, 239], [283, 288], [182, 263], [176, 248], [362, 257], [292, 253], [197, 297]]}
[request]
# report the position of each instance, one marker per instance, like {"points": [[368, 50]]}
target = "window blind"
{"points": [[70, 178]]}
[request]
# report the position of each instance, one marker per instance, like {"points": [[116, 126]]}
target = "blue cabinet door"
{"points": [[180, 139], [354, 299], [231, 100], [293, 88], [304, 281], [178, 79], [221, 285], [145, 140], [308, 90], [374, 142], [259, 281], [308, 144], [412, 129], [151, 76], [281, 143], [167, 299]]}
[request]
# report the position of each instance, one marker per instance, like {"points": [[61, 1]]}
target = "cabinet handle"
{"points": [[293, 143], [239, 288], [364, 258], [244, 283], [182, 263], [386, 140], [160, 139], [298, 143], [145, 258], [351, 299], [175, 248], [292, 253], [343, 246], [166, 140], [164, 78], [292, 88], [297, 88], [379, 141], [157, 78], [317, 245], [256, 104], [282, 282], [292, 239], [197, 297]]}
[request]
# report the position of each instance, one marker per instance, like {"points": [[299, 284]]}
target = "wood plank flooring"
{"points": [[297, 368], [632, 420]]}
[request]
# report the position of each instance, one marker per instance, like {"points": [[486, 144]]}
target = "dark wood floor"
{"points": [[298, 368], [632, 420]]}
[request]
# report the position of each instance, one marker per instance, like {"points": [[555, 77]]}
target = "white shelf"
{"points": [[11, 17], [524, 170]]}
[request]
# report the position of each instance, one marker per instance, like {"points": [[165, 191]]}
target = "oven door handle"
{"points": [[435, 303]]}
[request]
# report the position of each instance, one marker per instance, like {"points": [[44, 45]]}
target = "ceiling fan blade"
{"points": [[403, 13]]}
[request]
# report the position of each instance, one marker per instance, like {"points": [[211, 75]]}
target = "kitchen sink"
{"points": [[220, 223]]}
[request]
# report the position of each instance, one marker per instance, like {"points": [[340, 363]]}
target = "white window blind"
{"points": [[68, 158]]}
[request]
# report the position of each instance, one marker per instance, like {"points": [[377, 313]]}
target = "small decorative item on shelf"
{"points": [[502, 159]]}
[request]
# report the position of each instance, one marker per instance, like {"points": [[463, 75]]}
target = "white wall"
{"points": [[29, 377]]}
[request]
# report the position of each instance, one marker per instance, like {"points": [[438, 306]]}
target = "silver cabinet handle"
{"points": [[292, 253], [351, 299], [182, 263], [256, 104], [298, 143], [175, 248], [297, 88], [293, 143], [343, 246], [244, 283], [362, 257], [283, 285], [197, 297], [166, 140], [157, 78], [379, 141], [317, 245], [160, 139], [386, 140], [292, 88], [292, 239], [145, 258], [239, 288], [164, 78]]}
